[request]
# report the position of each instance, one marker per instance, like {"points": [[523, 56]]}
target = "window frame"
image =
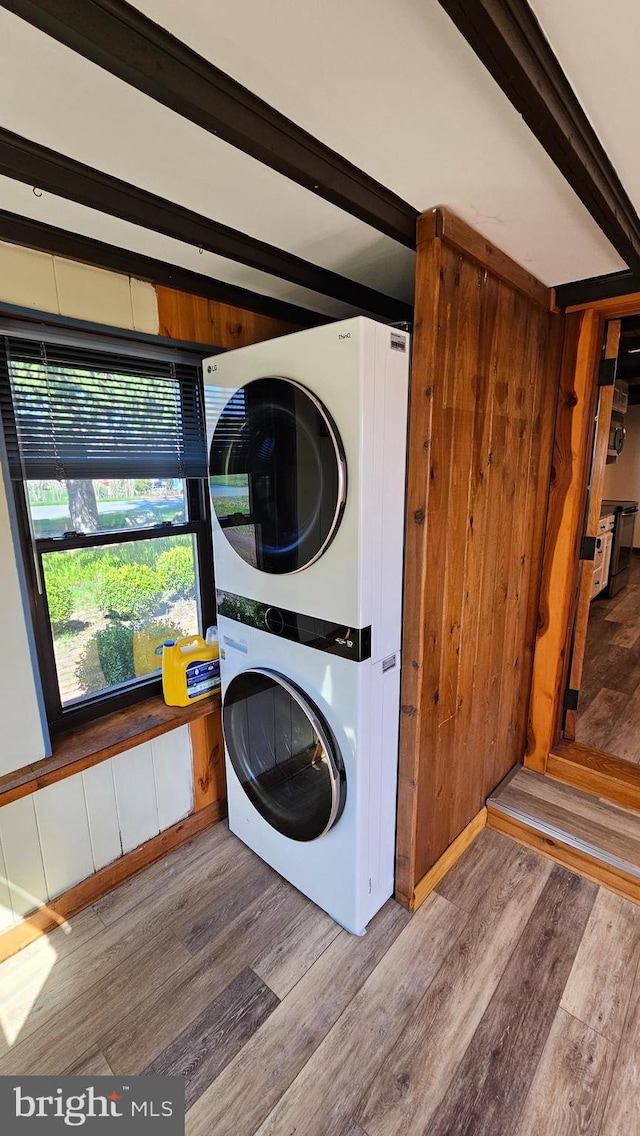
{"points": [[197, 524]]}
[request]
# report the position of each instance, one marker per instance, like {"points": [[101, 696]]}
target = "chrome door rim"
{"points": [[327, 742]]}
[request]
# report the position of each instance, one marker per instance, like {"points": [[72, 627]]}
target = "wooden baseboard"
{"points": [[596, 772], [593, 869], [58, 910], [446, 861]]}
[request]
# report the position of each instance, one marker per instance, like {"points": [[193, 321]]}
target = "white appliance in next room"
{"points": [[307, 438]]}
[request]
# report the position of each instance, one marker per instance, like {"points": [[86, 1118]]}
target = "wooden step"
{"points": [[592, 836]]}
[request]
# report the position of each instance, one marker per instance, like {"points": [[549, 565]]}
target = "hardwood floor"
{"points": [[509, 1003], [608, 717]]}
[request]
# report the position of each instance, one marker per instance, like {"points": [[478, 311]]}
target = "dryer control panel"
{"points": [[320, 634]]}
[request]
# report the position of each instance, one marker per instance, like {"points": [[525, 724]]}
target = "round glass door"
{"points": [[277, 475], [283, 754]]}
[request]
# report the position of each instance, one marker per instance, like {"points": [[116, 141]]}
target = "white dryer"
{"points": [[311, 744], [307, 437]]}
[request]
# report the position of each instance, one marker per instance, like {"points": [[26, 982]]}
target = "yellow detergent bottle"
{"points": [[190, 669]]}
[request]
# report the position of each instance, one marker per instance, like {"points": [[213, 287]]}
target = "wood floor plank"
{"points": [[76, 1025], [415, 1077], [91, 1064], [181, 869], [284, 963], [491, 1083], [467, 882], [622, 1111], [203, 1049], [241, 1098], [334, 1079], [137, 1038], [600, 721], [228, 899], [569, 1091], [116, 949], [605, 966]]}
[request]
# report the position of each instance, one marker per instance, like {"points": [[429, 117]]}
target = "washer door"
{"points": [[283, 754], [277, 475]]}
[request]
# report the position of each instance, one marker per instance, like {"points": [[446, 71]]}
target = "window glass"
{"points": [[112, 607], [104, 505]]}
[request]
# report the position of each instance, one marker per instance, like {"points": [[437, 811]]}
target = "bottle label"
{"points": [[202, 677]]}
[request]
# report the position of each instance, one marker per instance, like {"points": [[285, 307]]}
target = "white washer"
{"points": [[311, 746], [287, 458], [307, 439]]}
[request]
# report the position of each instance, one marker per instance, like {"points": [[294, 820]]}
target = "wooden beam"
{"points": [[37, 165], [24, 231], [58, 910], [126, 43], [508, 39], [565, 516], [579, 294]]}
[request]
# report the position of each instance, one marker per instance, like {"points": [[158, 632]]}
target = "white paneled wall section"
{"points": [[58, 836]]}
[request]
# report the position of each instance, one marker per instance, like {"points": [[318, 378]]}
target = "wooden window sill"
{"points": [[87, 745]]}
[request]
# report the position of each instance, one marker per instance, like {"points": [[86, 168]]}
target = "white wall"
{"points": [[56, 837], [622, 478]]}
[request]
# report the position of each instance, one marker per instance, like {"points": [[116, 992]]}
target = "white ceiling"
{"points": [[598, 51], [392, 87]]}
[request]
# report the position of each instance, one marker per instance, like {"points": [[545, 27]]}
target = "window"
{"points": [[107, 457]]}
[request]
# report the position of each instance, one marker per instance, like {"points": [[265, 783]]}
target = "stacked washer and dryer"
{"points": [[307, 437]]}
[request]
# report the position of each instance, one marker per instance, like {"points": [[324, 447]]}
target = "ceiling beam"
{"points": [[126, 43], [23, 231], [36, 165], [596, 288], [508, 39]]}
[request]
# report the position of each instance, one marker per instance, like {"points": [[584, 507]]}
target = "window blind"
{"points": [[74, 412]]}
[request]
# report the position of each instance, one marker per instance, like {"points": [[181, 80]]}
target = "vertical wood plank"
{"points": [[135, 796], [183, 316], [173, 774], [64, 834], [104, 828], [486, 360], [23, 856], [209, 780]]}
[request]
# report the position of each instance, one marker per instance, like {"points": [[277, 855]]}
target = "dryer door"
{"points": [[277, 475], [283, 754]]}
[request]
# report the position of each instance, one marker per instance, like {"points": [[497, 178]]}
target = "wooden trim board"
{"points": [[596, 772], [447, 860], [95, 742], [616, 307], [565, 517], [593, 869], [460, 236], [58, 910]]}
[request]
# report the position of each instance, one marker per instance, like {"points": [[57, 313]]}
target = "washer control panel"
{"points": [[319, 634]]}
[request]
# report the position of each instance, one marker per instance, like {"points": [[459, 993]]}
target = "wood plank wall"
{"points": [[486, 359], [194, 318]]}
